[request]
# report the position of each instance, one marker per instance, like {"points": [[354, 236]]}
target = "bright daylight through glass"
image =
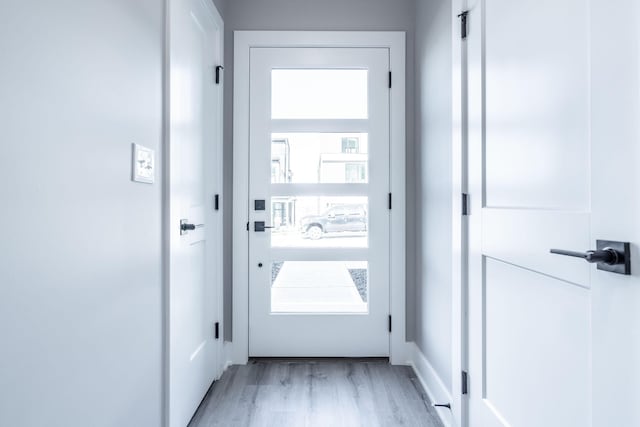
{"points": [[309, 222], [336, 94]]}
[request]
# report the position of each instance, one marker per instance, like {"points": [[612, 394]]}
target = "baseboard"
{"points": [[401, 353], [432, 384]]}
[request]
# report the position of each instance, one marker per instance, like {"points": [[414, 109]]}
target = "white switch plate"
{"points": [[143, 165]]}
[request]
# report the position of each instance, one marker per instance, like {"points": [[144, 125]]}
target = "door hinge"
{"points": [[389, 323], [216, 330], [465, 382], [463, 24], [247, 225], [218, 68], [390, 202], [465, 204], [216, 202], [389, 79]]}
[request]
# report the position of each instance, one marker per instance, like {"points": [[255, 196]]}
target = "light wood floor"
{"points": [[316, 393]]}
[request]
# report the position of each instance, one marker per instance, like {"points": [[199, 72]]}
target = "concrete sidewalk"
{"points": [[326, 288]]}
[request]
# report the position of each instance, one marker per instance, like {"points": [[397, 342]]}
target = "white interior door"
{"points": [[553, 340], [319, 182], [195, 233]]}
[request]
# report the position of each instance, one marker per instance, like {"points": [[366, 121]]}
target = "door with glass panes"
{"points": [[319, 218]]}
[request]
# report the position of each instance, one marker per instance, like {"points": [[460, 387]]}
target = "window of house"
{"points": [[355, 172], [276, 171], [350, 145]]}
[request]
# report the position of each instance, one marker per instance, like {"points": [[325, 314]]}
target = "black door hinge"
{"points": [[390, 201], [218, 68], [465, 204], [389, 323], [247, 226], [216, 330], [389, 79], [216, 202], [465, 382], [463, 24]]}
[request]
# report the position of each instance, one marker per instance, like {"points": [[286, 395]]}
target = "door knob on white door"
{"points": [[610, 256]]}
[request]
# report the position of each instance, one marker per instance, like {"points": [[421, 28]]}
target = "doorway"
{"points": [[318, 188], [314, 179]]}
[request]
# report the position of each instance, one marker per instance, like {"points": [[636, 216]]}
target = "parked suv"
{"points": [[337, 219]]}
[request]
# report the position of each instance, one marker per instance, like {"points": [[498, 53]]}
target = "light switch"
{"points": [[143, 166]]}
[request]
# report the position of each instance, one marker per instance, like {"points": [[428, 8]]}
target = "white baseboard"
{"points": [[402, 354], [432, 384]]}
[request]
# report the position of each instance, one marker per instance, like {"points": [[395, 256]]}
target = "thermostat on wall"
{"points": [[143, 164]]}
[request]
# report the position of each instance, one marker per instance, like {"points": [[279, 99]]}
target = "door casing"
{"points": [[245, 40], [459, 223]]}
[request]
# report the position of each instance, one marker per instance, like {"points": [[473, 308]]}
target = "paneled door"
{"points": [[319, 195], [195, 236], [553, 155]]}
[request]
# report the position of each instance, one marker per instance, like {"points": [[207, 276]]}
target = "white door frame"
{"points": [[460, 225], [244, 41], [214, 185]]}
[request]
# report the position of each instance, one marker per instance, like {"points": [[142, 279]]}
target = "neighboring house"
{"points": [[347, 165], [343, 159], [282, 208]]}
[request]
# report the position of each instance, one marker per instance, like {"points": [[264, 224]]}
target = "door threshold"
{"points": [[253, 360]]}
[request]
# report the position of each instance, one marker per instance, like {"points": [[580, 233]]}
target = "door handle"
{"points": [[610, 256], [258, 226], [186, 226], [607, 255]]}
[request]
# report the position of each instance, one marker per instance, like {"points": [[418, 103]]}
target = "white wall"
{"points": [[221, 6], [80, 253], [374, 15], [433, 139]]}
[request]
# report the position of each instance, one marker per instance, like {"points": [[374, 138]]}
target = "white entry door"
{"points": [[553, 159], [319, 190], [194, 224]]}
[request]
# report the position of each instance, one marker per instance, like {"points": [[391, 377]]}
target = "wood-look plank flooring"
{"points": [[316, 393]]}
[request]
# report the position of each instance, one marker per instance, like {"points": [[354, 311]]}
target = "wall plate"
{"points": [[623, 249], [143, 164]]}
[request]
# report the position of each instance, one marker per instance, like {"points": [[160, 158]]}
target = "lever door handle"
{"points": [[611, 256], [186, 226], [607, 255], [259, 226]]}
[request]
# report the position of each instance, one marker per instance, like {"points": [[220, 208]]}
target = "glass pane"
{"points": [[326, 158], [319, 222], [319, 94], [319, 287]]}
